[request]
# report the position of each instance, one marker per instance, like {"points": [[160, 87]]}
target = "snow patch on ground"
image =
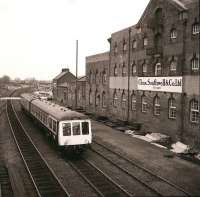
{"points": [[179, 147]]}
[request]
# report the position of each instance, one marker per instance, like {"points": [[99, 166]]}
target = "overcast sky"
{"points": [[38, 37]]}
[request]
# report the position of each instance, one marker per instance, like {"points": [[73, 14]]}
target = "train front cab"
{"points": [[75, 134]]}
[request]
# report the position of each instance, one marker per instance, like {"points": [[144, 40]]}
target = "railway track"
{"points": [[100, 182], [157, 184], [45, 181], [5, 184]]}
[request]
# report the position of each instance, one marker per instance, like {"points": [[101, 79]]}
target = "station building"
{"points": [[153, 72], [64, 89]]}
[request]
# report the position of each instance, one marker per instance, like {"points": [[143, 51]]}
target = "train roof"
{"points": [[55, 110], [28, 96]]}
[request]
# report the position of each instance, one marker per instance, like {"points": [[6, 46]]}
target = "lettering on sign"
{"points": [[166, 84]]}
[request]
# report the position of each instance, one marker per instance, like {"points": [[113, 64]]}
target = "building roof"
{"points": [[60, 75], [82, 78]]}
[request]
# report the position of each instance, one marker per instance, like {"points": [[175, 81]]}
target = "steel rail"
{"points": [[26, 158], [140, 167], [100, 188]]}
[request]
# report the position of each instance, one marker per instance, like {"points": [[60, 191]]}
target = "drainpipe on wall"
{"points": [[199, 61], [129, 51], [182, 73]]}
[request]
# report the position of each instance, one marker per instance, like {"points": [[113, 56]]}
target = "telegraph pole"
{"points": [[76, 74]]}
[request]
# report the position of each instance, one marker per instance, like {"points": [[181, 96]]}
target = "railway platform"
{"points": [[178, 171]]}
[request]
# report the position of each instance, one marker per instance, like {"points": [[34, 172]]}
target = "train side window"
{"points": [[66, 129], [54, 125], [50, 123], [76, 128], [85, 128]]}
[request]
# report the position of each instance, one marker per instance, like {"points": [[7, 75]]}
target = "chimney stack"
{"points": [[65, 69]]}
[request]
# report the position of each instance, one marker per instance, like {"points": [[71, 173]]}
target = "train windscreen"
{"points": [[85, 128], [76, 128], [66, 129]]}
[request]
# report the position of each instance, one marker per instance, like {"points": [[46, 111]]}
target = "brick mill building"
{"points": [[152, 72]]}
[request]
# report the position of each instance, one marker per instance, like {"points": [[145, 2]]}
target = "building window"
{"points": [[134, 44], [195, 63], [96, 77], [115, 49], [124, 46], [144, 68], [156, 106], [115, 99], [123, 100], [115, 70], [123, 69], [104, 77], [173, 64], [134, 68], [90, 77], [173, 33], [144, 104], [97, 99], [145, 41], [103, 99], [158, 69], [133, 102], [194, 111], [195, 28], [90, 97], [172, 108]]}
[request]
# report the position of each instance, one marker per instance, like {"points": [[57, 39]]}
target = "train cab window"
{"points": [[85, 128], [76, 128], [66, 129]]}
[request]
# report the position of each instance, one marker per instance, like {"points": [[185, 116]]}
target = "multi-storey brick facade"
{"points": [[154, 70], [97, 83]]}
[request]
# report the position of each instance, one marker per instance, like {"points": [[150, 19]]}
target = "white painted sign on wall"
{"points": [[164, 84]]}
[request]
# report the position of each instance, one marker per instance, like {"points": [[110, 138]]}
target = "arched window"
{"points": [[90, 77], [194, 111], [172, 108], [158, 14], [133, 102], [173, 33], [158, 69], [124, 46], [104, 77], [97, 99], [145, 41], [115, 98], [115, 70], [90, 97], [134, 44], [195, 63], [96, 77], [144, 104], [115, 49], [195, 28], [123, 100], [156, 106], [173, 64], [104, 99], [144, 68], [134, 68], [123, 69]]}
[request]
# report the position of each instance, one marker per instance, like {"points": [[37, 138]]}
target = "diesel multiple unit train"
{"points": [[69, 129]]}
